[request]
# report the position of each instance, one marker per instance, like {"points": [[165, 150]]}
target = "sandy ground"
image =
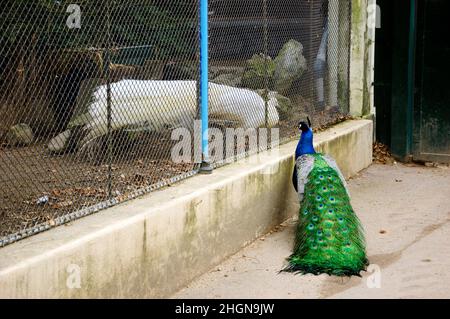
{"points": [[406, 213]]}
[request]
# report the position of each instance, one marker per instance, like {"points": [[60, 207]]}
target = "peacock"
{"points": [[329, 236]]}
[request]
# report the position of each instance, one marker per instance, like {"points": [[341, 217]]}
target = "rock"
{"points": [[230, 79], [290, 64], [255, 72], [20, 134]]}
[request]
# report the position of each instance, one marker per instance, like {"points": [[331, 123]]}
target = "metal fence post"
{"points": [[266, 66], [108, 96], [205, 167]]}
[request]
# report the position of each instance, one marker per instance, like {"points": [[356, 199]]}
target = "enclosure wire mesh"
{"points": [[91, 93]]}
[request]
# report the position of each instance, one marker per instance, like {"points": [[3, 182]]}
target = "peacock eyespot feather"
{"points": [[319, 233], [321, 177], [318, 197], [328, 224], [310, 226], [332, 199], [315, 218], [330, 211], [347, 249]]}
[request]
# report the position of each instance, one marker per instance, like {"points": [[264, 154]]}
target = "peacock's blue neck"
{"points": [[305, 145]]}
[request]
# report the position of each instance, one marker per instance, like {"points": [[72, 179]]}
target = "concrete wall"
{"points": [[362, 57], [152, 246]]}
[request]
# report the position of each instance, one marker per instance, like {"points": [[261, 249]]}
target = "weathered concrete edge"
{"points": [[154, 245]]}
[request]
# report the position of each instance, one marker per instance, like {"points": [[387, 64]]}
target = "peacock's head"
{"points": [[303, 126]]}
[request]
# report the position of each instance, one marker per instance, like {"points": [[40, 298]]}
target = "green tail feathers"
{"points": [[329, 237]]}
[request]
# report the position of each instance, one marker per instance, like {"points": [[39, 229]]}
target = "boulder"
{"points": [[290, 64], [20, 134], [255, 72]]}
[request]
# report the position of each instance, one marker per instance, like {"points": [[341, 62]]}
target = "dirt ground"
{"points": [[406, 214], [70, 183]]}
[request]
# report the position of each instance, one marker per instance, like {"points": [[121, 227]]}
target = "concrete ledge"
{"points": [[154, 245]]}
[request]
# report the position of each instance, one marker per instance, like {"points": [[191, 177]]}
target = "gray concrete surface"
{"points": [[405, 211]]}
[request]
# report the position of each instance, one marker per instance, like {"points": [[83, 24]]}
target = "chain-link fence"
{"points": [[95, 93]]}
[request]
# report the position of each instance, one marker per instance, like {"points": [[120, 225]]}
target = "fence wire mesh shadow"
{"points": [[92, 91]]}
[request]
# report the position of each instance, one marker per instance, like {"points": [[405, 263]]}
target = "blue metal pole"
{"points": [[205, 167]]}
